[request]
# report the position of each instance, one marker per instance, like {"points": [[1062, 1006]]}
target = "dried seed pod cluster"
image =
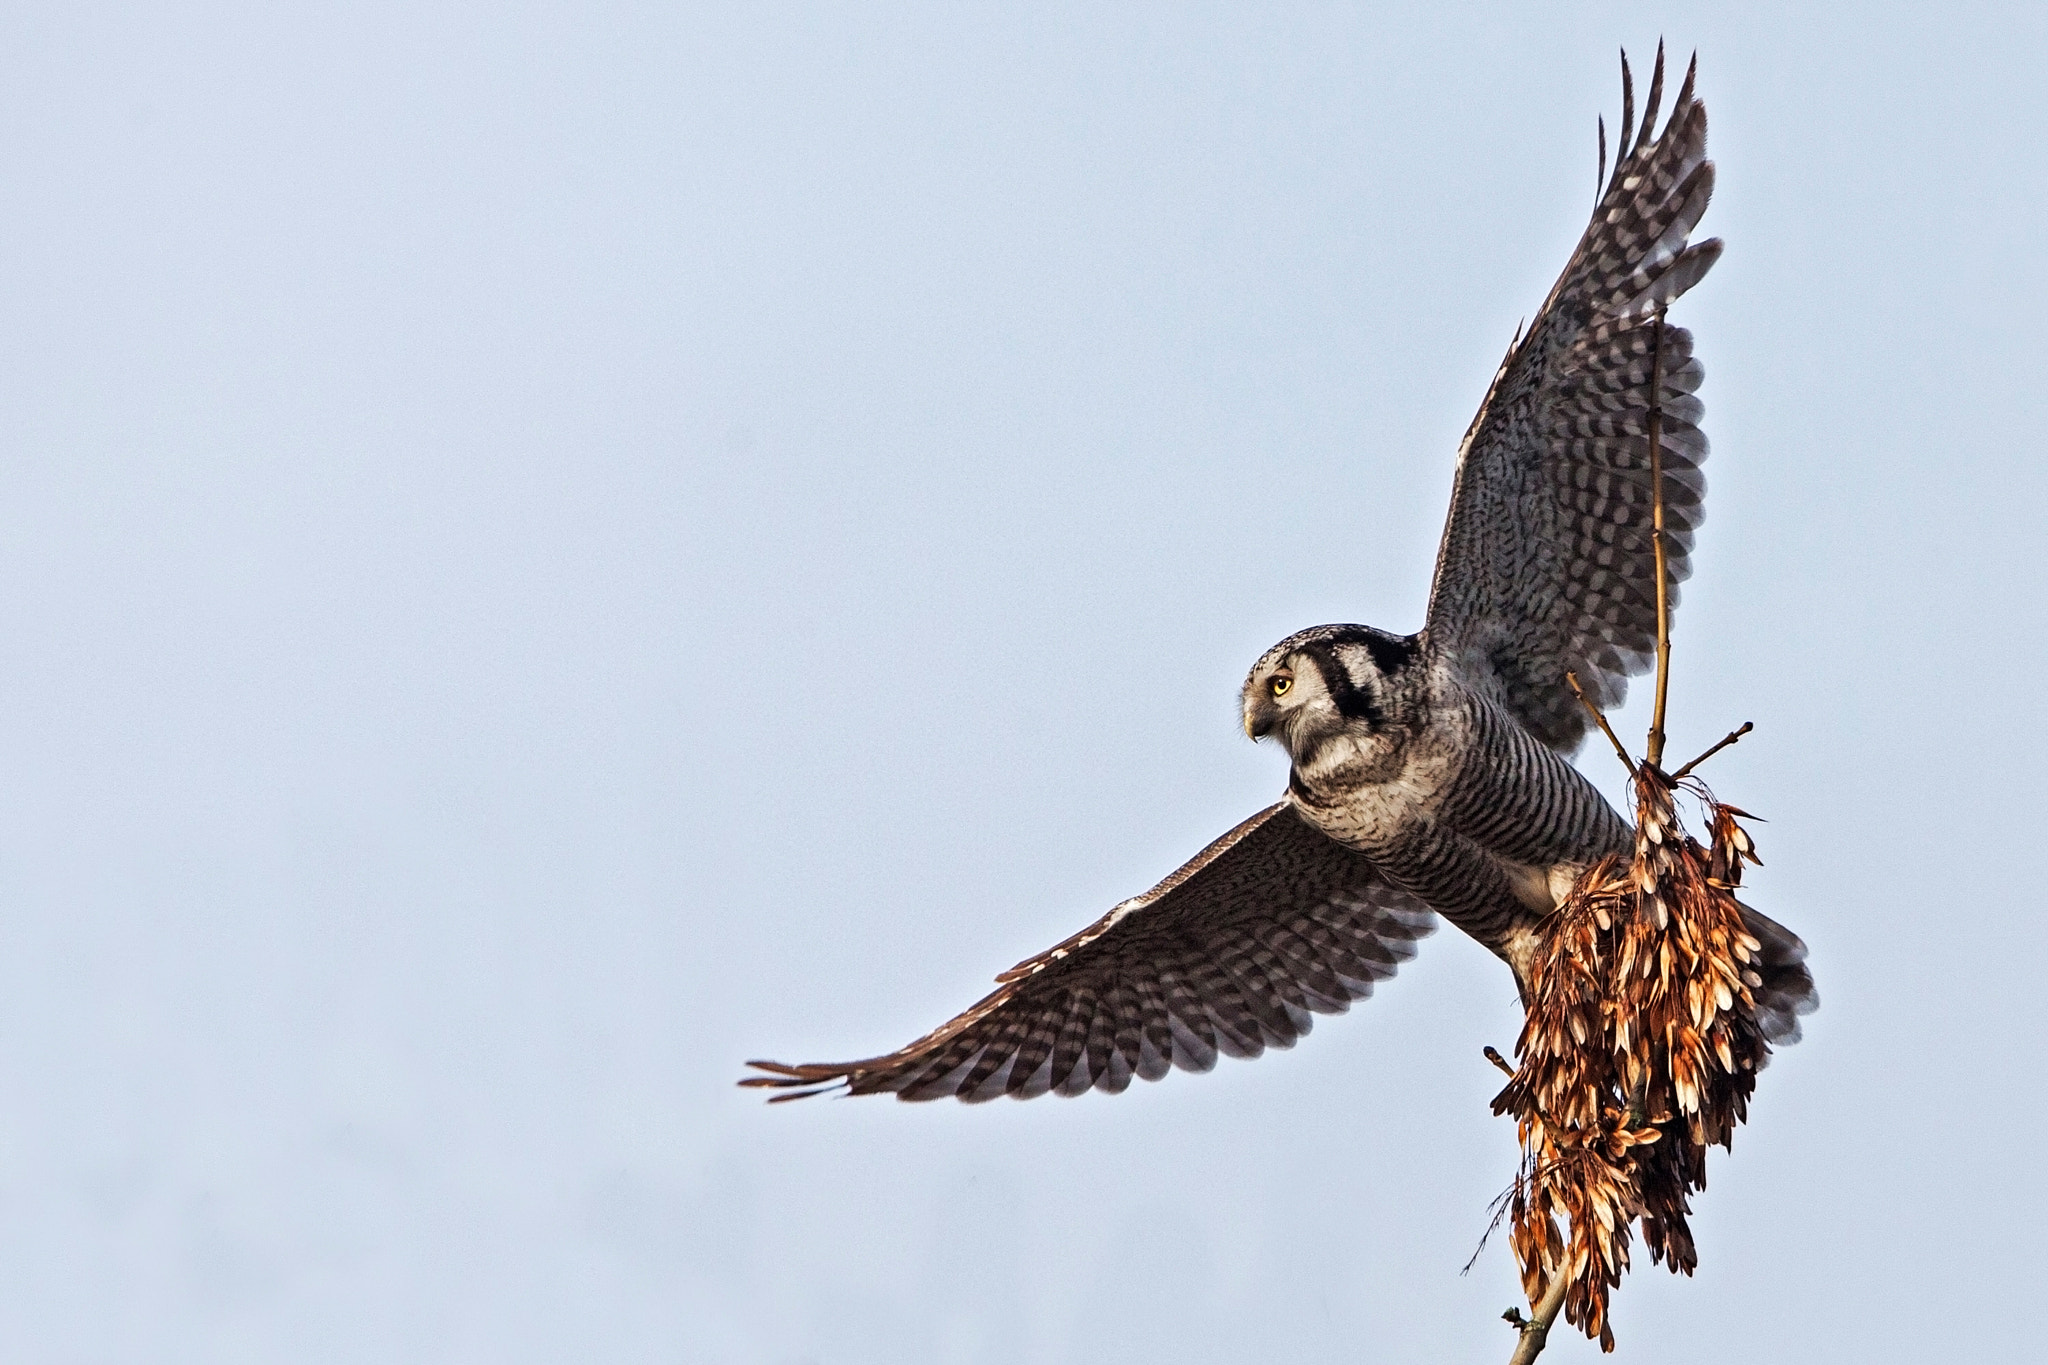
{"points": [[1640, 1050]]}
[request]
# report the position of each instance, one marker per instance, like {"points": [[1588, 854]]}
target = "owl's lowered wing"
{"points": [[1546, 564], [1233, 953]]}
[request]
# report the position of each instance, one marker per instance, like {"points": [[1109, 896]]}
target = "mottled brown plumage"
{"points": [[1429, 771], [1231, 954], [1546, 565]]}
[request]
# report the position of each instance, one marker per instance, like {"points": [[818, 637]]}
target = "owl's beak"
{"points": [[1258, 723]]}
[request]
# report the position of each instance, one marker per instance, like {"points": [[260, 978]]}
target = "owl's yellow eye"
{"points": [[1280, 684]]}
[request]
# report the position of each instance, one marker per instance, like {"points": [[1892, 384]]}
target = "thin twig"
{"points": [[1536, 1331], [1572, 679], [1654, 750], [1719, 745]]}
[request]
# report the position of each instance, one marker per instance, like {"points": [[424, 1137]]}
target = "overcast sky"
{"points": [[549, 549]]}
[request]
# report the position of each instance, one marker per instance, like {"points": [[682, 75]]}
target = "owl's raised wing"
{"points": [[1547, 564], [1231, 954]]}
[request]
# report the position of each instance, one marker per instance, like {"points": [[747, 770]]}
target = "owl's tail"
{"points": [[1787, 992]]}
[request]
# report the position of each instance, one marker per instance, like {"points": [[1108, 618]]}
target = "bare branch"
{"points": [[1572, 680], [1654, 750], [1723, 743], [1536, 1331]]}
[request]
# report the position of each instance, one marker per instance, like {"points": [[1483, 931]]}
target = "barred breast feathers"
{"points": [[1523, 801]]}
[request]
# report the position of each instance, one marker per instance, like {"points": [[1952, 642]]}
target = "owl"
{"points": [[1431, 772]]}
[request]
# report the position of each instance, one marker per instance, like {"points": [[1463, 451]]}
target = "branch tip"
{"points": [[1721, 744]]}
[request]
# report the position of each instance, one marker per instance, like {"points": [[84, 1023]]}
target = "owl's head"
{"points": [[1322, 682]]}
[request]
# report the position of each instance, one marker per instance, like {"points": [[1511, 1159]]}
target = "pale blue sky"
{"points": [[546, 550]]}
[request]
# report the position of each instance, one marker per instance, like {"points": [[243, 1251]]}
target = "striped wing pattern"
{"points": [[1547, 564], [1234, 953]]}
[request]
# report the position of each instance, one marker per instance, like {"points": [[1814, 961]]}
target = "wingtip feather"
{"points": [[1652, 102]]}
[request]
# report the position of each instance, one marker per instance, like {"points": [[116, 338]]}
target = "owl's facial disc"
{"points": [[1270, 693]]}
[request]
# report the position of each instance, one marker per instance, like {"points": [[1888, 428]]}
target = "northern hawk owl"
{"points": [[1430, 771]]}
